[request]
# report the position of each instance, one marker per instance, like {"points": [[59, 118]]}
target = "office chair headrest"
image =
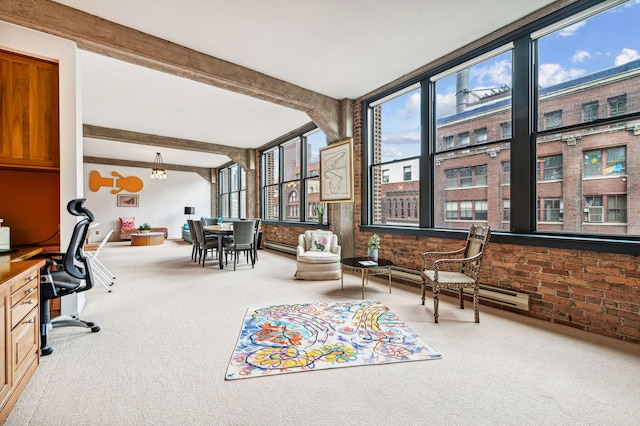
{"points": [[76, 207]]}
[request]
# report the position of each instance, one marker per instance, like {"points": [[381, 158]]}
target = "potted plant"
{"points": [[373, 244], [320, 212], [144, 228]]}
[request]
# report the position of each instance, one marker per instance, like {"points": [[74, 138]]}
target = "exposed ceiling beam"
{"points": [[242, 157], [202, 171], [108, 38]]}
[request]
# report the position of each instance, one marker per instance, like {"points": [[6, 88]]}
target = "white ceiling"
{"points": [[342, 49]]}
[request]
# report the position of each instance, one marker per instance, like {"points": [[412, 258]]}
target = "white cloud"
{"points": [[495, 75], [550, 74], [446, 104], [390, 152], [580, 56], [627, 55], [571, 30]]}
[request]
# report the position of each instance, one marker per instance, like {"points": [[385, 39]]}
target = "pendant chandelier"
{"points": [[158, 171]]}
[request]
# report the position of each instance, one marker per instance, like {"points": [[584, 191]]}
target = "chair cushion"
{"points": [[321, 241], [318, 257], [128, 223]]}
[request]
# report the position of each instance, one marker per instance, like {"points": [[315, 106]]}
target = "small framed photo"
{"points": [[336, 172], [128, 200]]}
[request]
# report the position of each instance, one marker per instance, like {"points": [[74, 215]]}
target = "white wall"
{"points": [[36, 44], [161, 202]]}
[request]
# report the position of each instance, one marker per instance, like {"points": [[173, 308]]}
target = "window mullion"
{"points": [[523, 152]]}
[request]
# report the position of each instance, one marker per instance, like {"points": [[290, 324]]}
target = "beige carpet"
{"points": [[161, 358]]}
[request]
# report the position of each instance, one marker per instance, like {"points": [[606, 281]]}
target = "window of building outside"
{"points": [[549, 168], [553, 119], [232, 192], [617, 105], [589, 111], [506, 210], [481, 135], [506, 173], [464, 139], [395, 121], [406, 170], [290, 181], [506, 130], [552, 210], [585, 70], [449, 142]]}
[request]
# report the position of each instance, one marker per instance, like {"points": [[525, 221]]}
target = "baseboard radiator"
{"points": [[280, 247], [497, 295]]}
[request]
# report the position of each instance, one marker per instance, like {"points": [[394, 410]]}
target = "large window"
{"points": [[232, 192], [295, 196], [558, 163], [474, 100], [394, 172]]}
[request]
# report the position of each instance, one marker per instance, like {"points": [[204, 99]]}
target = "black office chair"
{"points": [[63, 274]]}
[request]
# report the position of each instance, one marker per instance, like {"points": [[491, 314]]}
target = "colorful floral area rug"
{"points": [[312, 336]]}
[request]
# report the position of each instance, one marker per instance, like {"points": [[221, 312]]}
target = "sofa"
{"points": [[128, 227]]}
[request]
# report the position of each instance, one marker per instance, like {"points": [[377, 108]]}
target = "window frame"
{"points": [[522, 210], [303, 210]]}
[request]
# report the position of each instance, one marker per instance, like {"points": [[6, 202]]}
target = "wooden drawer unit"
{"points": [[24, 298], [20, 343], [25, 339], [25, 336]]}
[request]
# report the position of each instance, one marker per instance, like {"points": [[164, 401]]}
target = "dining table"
{"points": [[220, 231]]}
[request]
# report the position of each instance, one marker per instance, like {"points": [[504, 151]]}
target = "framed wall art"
{"points": [[336, 172], [128, 200]]}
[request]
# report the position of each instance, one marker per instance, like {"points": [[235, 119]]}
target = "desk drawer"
{"points": [[22, 307], [25, 340], [23, 279]]}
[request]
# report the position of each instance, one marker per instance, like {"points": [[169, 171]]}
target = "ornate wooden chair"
{"points": [[456, 270]]}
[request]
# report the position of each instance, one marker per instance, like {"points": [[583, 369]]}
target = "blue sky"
{"points": [[596, 43]]}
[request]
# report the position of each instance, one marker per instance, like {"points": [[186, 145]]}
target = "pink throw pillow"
{"points": [[128, 222]]}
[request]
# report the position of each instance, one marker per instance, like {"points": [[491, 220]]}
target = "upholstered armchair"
{"points": [[318, 256]]}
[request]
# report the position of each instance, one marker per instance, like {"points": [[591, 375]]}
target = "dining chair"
{"points": [[101, 273], [456, 270], [204, 243], [194, 240], [256, 239], [243, 241]]}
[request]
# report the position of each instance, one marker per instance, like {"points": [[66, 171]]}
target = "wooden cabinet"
{"points": [[29, 124], [20, 343]]}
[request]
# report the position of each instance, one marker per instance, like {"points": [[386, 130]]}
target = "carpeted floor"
{"points": [[169, 328]]}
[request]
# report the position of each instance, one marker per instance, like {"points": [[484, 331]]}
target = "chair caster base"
{"points": [[46, 351], [94, 328]]}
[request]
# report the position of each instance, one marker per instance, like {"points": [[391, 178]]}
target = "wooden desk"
{"points": [[20, 329], [20, 253], [148, 239]]}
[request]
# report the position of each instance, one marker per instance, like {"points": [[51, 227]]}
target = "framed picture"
{"points": [[128, 200], [336, 172]]}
